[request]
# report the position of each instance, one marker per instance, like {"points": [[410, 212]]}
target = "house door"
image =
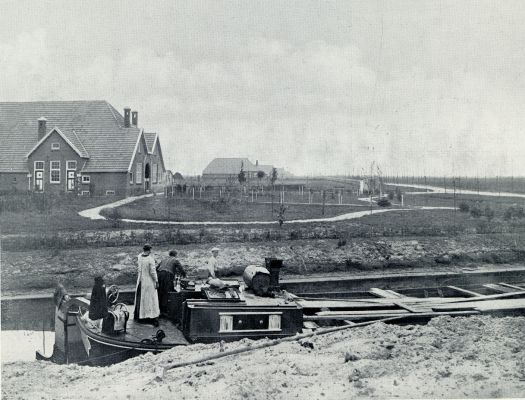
{"points": [[147, 176], [70, 174], [70, 181], [39, 176]]}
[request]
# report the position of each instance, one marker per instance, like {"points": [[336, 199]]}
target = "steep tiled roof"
{"points": [[95, 128], [149, 137], [229, 166], [266, 168]]}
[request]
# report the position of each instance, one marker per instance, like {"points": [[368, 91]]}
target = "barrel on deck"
{"points": [[257, 279]]}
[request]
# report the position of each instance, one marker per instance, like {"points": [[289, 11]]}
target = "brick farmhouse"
{"points": [[78, 147]]}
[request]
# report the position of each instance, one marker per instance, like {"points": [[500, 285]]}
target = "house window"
{"points": [[155, 173], [110, 192], [85, 193], [14, 179], [54, 168], [274, 322], [86, 179], [226, 323], [71, 165], [131, 178], [138, 173], [140, 145], [55, 146]]}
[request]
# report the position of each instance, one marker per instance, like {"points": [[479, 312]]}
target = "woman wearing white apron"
{"points": [[146, 299]]}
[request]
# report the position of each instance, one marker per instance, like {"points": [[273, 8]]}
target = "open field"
{"points": [[490, 184], [475, 357], [180, 209]]}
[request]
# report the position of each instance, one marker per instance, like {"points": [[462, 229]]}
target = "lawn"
{"points": [[43, 213], [181, 209]]}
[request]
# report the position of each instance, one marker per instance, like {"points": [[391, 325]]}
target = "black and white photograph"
{"points": [[226, 199]]}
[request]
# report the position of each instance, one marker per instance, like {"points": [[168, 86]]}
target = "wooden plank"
{"points": [[395, 293], [515, 287], [347, 322], [386, 294], [465, 292], [498, 288], [406, 307], [363, 312], [378, 316], [492, 297]]}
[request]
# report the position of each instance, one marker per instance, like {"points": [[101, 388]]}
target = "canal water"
{"points": [[21, 345]]}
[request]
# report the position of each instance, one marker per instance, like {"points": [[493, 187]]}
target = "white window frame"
{"points": [[35, 170], [85, 192], [131, 181], [55, 146], [138, 174], [110, 193], [51, 169], [86, 181], [70, 169], [226, 321]]}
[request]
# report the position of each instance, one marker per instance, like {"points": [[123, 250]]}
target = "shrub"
{"points": [[114, 215], [341, 242], [390, 195], [489, 213], [464, 207], [475, 211], [513, 212], [384, 202], [294, 235]]}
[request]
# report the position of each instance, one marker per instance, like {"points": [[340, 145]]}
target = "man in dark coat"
{"points": [[168, 269], [98, 305]]}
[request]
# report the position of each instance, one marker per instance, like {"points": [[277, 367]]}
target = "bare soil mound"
{"points": [[472, 357]]}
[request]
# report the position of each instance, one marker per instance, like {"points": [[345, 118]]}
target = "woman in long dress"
{"points": [[146, 298]]}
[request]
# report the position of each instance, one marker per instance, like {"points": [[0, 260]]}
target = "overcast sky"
{"points": [[420, 87]]}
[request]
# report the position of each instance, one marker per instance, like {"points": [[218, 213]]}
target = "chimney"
{"points": [[274, 265], [127, 111], [42, 125], [134, 118], [256, 163]]}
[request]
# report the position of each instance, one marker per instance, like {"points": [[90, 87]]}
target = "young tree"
{"points": [[280, 217], [273, 178], [260, 176], [242, 175]]}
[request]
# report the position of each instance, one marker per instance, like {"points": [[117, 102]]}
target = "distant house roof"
{"points": [[228, 166], [266, 168], [94, 128]]}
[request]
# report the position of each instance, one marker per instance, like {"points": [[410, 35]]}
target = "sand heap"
{"points": [[461, 357]]}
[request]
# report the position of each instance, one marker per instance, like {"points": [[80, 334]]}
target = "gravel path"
{"points": [[440, 190]]}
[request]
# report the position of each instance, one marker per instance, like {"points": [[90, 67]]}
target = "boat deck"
{"points": [[136, 332]]}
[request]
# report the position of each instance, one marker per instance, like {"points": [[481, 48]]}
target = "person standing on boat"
{"points": [[168, 269], [146, 299], [213, 263]]}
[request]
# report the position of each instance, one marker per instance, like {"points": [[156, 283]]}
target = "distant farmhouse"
{"points": [[81, 147], [221, 170]]}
